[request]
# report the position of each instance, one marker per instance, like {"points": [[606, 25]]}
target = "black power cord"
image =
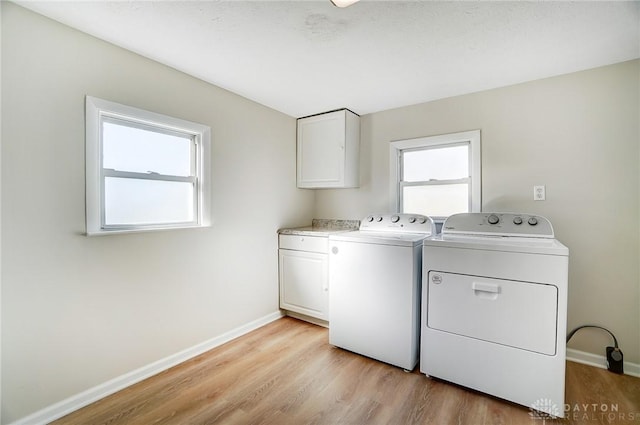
{"points": [[615, 361]]}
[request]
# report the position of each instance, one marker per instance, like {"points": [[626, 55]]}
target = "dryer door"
{"points": [[512, 313]]}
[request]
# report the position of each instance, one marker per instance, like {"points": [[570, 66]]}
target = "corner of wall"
{"points": [[638, 140], [1, 7]]}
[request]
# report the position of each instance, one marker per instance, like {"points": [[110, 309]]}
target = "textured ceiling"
{"points": [[304, 57]]}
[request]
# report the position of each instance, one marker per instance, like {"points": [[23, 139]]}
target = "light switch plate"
{"points": [[539, 193]]}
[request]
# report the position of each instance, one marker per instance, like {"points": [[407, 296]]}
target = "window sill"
{"points": [[103, 232]]}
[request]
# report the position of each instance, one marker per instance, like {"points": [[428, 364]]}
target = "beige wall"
{"points": [[577, 134], [78, 311]]}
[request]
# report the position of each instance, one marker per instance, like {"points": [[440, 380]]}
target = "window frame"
{"points": [[470, 138], [98, 111]]}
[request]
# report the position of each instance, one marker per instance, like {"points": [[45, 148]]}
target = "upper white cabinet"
{"points": [[329, 150]]}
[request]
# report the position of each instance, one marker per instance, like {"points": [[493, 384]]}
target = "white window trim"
{"points": [[96, 110], [471, 137]]}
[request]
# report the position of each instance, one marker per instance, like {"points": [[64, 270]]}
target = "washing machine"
{"points": [[375, 287], [494, 308]]}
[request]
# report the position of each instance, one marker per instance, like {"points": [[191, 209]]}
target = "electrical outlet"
{"points": [[615, 362], [539, 193]]}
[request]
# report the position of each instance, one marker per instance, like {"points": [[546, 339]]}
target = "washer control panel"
{"points": [[400, 223], [498, 224]]}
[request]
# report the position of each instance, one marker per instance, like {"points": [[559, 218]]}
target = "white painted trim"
{"points": [[75, 402], [96, 110], [473, 137], [595, 360]]}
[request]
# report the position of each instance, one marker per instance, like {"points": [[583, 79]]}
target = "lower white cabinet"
{"points": [[304, 275]]}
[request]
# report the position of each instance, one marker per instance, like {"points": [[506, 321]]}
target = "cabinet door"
{"points": [[304, 283], [321, 150]]}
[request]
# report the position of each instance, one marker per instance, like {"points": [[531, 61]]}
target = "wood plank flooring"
{"points": [[287, 373]]}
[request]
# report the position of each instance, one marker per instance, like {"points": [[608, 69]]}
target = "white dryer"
{"points": [[374, 287], [494, 308]]}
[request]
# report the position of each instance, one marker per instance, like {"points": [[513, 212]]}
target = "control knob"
{"points": [[379, 219], [422, 220], [493, 219], [370, 218], [517, 220], [412, 219], [532, 221], [395, 218]]}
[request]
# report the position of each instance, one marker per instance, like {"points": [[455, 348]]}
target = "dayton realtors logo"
{"points": [[599, 412], [544, 409]]}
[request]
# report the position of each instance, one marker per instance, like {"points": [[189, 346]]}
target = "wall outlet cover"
{"points": [[539, 193]]}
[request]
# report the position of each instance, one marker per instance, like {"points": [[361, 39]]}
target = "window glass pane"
{"points": [[438, 200], [127, 148], [436, 164], [136, 201]]}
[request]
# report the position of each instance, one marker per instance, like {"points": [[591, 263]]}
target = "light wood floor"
{"points": [[287, 373]]}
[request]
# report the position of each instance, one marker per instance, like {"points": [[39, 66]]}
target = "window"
{"points": [[436, 176], [144, 171]]}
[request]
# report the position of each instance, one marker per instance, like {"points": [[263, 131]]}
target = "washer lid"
{"points": [[381, 238]]}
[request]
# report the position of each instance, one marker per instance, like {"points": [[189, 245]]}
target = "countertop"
{"points": [[322, 227]]}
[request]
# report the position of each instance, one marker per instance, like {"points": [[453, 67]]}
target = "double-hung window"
{"points": [[144, 171], [436, 176]]}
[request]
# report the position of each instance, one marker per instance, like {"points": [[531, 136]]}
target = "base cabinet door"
{"points": [[304, 283]]}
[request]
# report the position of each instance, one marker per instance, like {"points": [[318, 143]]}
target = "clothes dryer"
{"points": [[494, 308]]}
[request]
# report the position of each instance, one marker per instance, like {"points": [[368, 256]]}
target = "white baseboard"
{"points": [[590, 359], [73, 403]]}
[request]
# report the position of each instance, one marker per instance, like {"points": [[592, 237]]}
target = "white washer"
{"points": [[374, 287], [494, 308]]}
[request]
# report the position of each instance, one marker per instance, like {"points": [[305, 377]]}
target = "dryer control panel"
{"points": [[498, 224]]}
